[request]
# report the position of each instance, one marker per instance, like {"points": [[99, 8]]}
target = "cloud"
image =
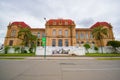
{"points": [[85, 22], [84, 12]]}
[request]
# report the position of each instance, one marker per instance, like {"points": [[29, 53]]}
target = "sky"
{"points": [[84, 13]]}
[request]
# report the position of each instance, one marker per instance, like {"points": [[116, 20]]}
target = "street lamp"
{"points": [[44, 42]]}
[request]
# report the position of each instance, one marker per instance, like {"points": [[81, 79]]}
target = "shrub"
{"points": [[16, 49], [31, 50], [6, 48], [87, 46], [96, 49], [114, 44]]}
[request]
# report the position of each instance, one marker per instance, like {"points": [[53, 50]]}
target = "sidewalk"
{"points": [[59, 58], [55, 58]]}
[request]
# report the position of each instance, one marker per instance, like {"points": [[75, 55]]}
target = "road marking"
{"points": [[79, 69]]}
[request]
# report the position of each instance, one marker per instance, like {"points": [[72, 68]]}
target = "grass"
{"points": [[102, 55], [108, 58], [17, 54], [11, 58]]}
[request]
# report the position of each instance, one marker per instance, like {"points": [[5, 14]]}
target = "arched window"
{"points": [[60, 42], [38, 35], [43, 34], [66, 33], [54, 32], [81, 35], [54, 23], [10, 42], [53, 42], [66, 23], [87, 37], [91, 36], [82, 42], [66, 42], [13, 33], [60, 32], [76, 35]]}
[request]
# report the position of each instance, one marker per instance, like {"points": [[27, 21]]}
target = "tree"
{"points": [[87, 46], [33, 41], [16, 49], [27, 38], [24, 34], [99, 33], [96, 49], [6, 48], [114, 44]]}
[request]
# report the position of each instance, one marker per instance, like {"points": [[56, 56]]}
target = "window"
{"points": [[66, 33], [82, 42], [60, 32], [60, 42], [60, 23], [53, 42], [38, 43], [38, 35], [54, 23], [66, 42], [54, 32], [13, 33], [87, 37], [91, 36], [87, 42], [43, 34], [81, 35], [76, 35], [93, 42], [10, 42], [66, 23]]}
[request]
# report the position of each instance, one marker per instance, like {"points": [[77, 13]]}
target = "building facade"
{"points": [[59, 32]]}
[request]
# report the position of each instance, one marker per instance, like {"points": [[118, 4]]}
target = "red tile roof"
{"points": [[37, 28], [60, 22], [21, 24], [101, 24]]}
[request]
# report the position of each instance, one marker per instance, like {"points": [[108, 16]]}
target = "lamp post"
{"points": [[71, 34], [44, 44], [44, 41]]}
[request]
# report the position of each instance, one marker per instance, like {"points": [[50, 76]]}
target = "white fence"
{"points": [[106, 49], [65, 50], [60, 50]]}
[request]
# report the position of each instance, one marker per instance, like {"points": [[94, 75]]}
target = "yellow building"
{"points": [[58, 32]]}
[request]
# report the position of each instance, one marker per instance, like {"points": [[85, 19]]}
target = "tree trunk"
{"points": [[87, 51], [101, 46]]}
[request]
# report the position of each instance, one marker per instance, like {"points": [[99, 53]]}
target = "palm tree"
{"points": [[32, 41], [24, 34], [27, 38], [99, 33]]}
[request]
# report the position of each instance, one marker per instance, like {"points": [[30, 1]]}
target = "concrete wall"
{"points": [[65, 50], [106, 49], [60, 50]]}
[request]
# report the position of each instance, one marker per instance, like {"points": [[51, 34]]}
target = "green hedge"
{"points": [[102, 55], [18, 54]]}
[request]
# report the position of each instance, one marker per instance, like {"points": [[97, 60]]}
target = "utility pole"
{"points": [[71, 35]]}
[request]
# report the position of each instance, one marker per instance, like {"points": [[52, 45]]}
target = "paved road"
{"points": [[59, 70]]}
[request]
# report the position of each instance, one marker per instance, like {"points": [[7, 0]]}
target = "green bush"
{"points": [[18, 54], [31, 50], [114, 44], [16, 49], [96, 49], [6, 48], [87, 46], [102, 55]]}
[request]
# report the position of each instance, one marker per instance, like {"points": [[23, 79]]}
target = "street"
{"points": [[59, 69]]}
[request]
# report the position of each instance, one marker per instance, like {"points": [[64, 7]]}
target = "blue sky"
{"points": [[85, 13]]}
